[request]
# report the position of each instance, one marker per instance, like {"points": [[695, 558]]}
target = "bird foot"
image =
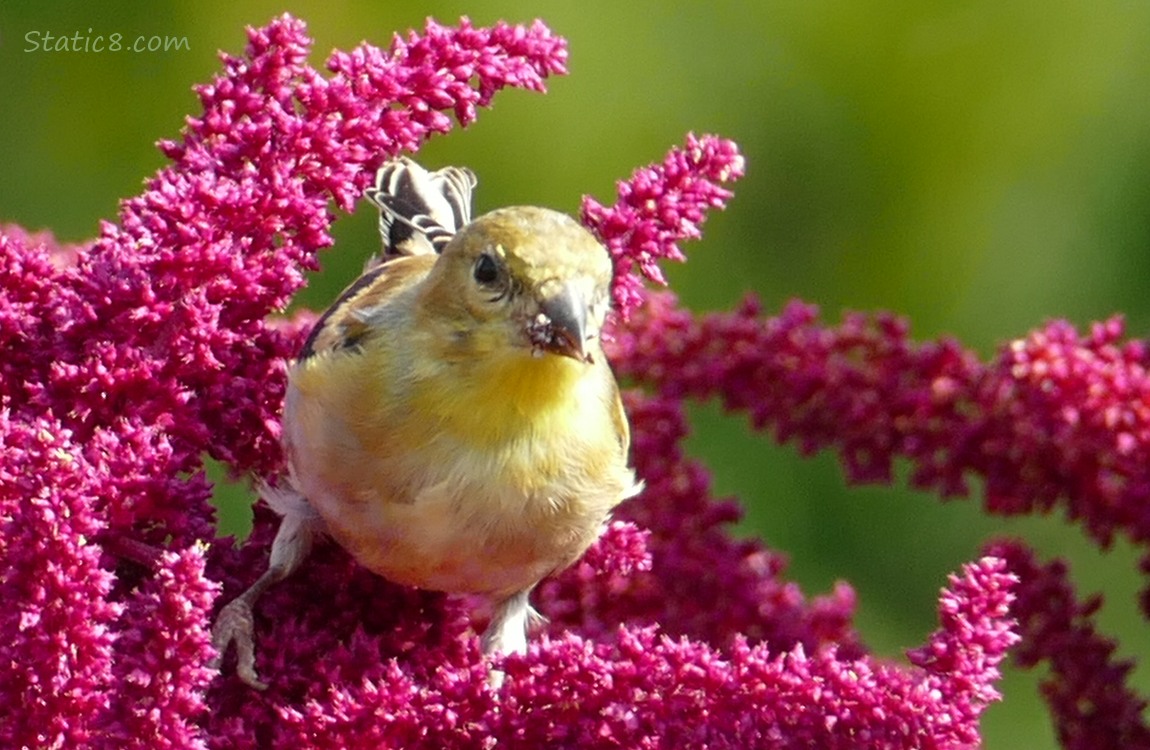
{"points": [[235, 624]]}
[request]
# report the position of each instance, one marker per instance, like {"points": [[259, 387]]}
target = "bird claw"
{"points": [[495, 678], [235, 624]]}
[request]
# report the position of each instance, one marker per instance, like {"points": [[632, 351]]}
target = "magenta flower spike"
{"points": [[127, 360], [660, 206]]}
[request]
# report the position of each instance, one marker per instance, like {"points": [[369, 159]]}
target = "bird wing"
{"points": [[343, 325]]}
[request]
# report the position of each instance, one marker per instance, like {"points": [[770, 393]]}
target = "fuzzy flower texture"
{"points": [[128, 360]]}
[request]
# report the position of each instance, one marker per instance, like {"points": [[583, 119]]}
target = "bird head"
{"points": [[528, 276]]}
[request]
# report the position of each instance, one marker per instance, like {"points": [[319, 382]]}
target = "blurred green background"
{"points": [[977, 166]]}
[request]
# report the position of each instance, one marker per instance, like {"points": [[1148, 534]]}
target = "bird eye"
{"points": [[486, 270]]}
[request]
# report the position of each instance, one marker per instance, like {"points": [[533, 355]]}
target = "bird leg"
{"points": [[235, 622], [507, 631]]}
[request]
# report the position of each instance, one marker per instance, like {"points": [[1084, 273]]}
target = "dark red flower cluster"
{"points": [[1057, 419], [1086, 689]]}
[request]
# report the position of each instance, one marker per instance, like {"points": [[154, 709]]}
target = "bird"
{"points": [[451, 421]]}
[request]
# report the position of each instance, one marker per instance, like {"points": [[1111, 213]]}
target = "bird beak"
{"points": [[561, 325]]}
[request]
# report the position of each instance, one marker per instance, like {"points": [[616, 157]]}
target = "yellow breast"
{"points": [[503, 397], [488, 484]]}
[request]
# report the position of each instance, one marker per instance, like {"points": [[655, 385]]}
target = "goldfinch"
{"points": [[452, 421]]}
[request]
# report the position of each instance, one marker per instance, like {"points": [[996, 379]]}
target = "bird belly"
{"points": [[446, 517], [457, 536]]}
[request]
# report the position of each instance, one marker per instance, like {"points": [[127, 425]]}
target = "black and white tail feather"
{"points": [[419, 211]]}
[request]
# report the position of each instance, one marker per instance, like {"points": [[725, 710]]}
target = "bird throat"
{"points": [[504, 398]]}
